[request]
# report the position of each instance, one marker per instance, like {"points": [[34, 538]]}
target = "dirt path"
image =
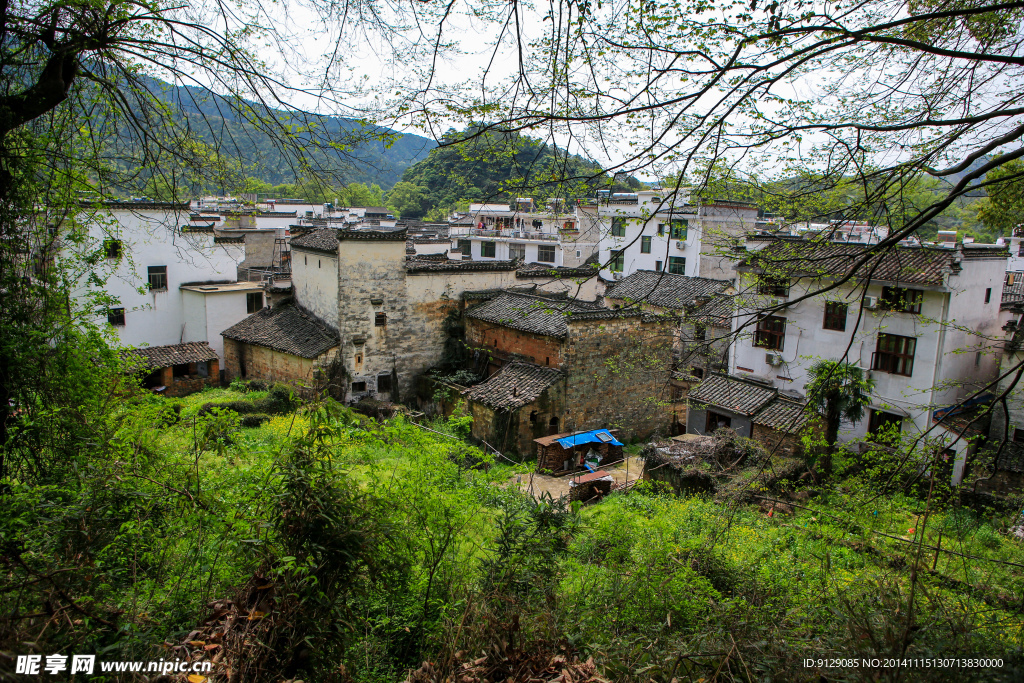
{"points": [[559, 486]]}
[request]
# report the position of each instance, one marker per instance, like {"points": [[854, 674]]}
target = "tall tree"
{"points": [[838, 391]]}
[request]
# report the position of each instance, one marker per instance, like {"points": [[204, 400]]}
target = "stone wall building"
{"points": [[283, 343], [614, 366]]}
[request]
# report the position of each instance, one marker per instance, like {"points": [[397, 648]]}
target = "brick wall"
{"points": [[618, 376], [505, 343]]}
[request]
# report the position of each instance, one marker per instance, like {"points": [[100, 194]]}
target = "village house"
{"points": [[558, 236], [386, 310], [917, 320], [175, 369], [1005, 443], [751, 409], [559, 365], [172, 284], [659, 230]]}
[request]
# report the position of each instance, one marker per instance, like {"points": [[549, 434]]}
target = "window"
{"points": [[618, 227], [517, 252], [678, 228], [661, 229], [488, 249], [895, 354], [773, 285], [697, 372], [384, 382], [158, 278], [318, 263], [358, 386], [1020, 249], [716, 421], [305, 260], [115, 316], [655, 200], [835, 316], [882, 422], [112, 248], [380, 319], [770, 333], [546, 253], [902, 300], [988, 295], [253, 302], [617, 262], [538, 224], [1018, 435], [677, 265], [466, 247], [645, 244], [658, 265], [700, 332]]}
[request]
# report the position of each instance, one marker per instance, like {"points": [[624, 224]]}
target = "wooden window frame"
{"points": [[113, 249], [880, 418], [380, 319], [773, 286], [157, 278], [250, 299], [384, 382], [902, 300], [543, 247], [673, 262], [116, 317], [836, 313], [770, 333], [891, 354]]}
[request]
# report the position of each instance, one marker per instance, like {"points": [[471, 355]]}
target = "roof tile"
{"points": [[667, 290], [285, 328], [514, 386], [732, 393]]}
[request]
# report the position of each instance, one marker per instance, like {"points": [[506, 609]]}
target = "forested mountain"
{"points": [[342, 149], [495, 168]]}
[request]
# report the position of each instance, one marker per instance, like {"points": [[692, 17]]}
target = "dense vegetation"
{"points": [[490, 167], [320, 544]]}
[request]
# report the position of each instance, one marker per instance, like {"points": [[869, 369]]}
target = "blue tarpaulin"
{"points": [[588, 437]]}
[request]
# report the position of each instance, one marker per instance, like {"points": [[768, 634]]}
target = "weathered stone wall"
{"points": [[505, 344], [259, 251], [723, 226], [697, 420], [618, 376], [776, 441], [250, 361]]}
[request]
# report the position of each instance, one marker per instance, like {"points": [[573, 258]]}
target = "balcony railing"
{"points": [[503, 234]]}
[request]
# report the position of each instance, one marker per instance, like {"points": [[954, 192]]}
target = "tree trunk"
{"points": [[832, 420]]}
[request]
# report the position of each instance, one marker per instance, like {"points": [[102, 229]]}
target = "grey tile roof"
{"points": [[784, 415], [533, 270], [321, 239], [1014, 292], [417, 265], [531, 313], [718, 312], [732, 393], [664, 289], [514, 386], [810, 258], [153, 357], [285, 328], [397, 235]]}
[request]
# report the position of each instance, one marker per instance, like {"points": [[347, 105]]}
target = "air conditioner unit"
{"points": [[871, 302], [680, 244], [616, 276], [773, 358]]}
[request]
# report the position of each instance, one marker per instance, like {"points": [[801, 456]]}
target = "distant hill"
{"points": [[367, 162], [497, 168]]}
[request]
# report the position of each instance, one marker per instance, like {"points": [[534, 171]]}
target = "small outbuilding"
{"points": [[568, 452], [175, 369], [590, 485]]}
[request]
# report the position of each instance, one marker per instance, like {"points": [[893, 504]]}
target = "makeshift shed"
{"points": [[567, 452], [590, 485]]}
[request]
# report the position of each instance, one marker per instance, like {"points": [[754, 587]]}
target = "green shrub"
{"points": [[254, 419]]}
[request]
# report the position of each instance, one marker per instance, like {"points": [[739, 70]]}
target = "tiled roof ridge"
{"points": [[373, 235], [323, 240], [419, 266]]}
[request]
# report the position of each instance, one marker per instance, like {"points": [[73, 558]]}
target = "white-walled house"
{"points": [[559, 237], [661, 231], [172, 285], [921, 324]]}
